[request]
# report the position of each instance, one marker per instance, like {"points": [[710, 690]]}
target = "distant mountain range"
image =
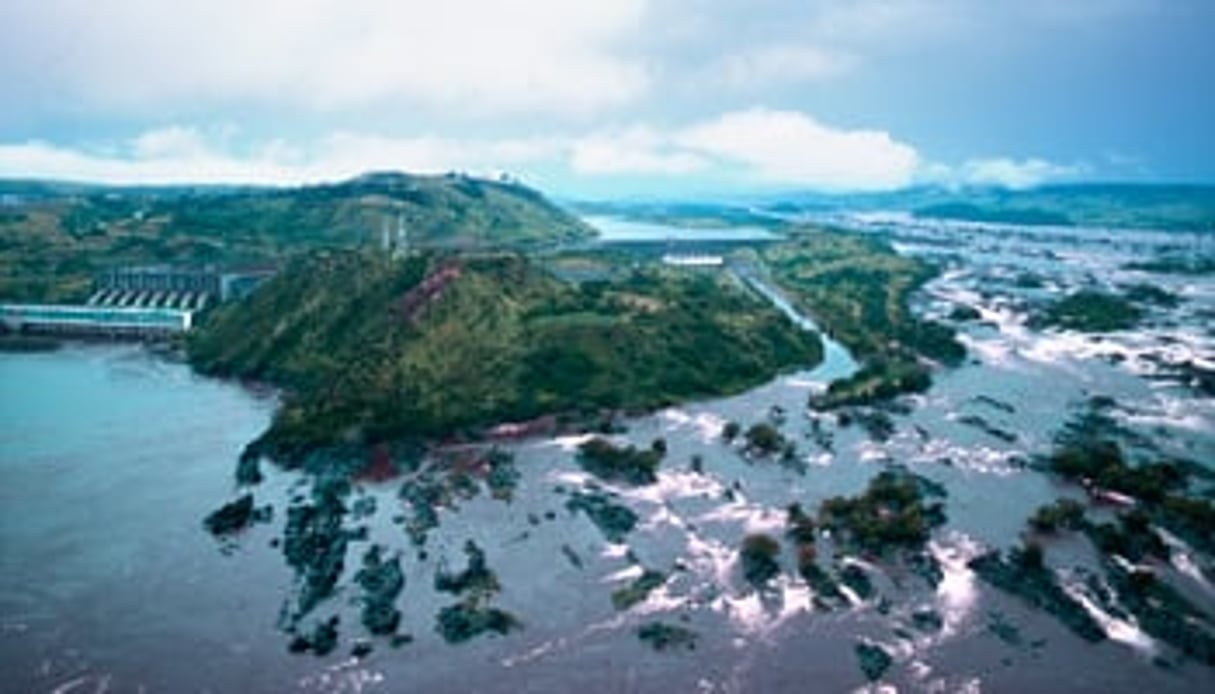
{"points": [[1168, 207]]}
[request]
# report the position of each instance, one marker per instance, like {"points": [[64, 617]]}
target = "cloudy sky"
{"points": [[611, 97]]}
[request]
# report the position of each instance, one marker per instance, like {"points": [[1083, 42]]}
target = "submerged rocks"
{"points": [[382, 581], [980, 423], [322, 640], [235, 516], [637, 591], [873, 660], [248, 467], [664, 637], [613, 520], [963, 313], [1164, 613], [315, 541], [476, 578], [1064, 514], [627, 464], [466, 620], [1025, 576], [758, 555], [472, 616], [503, 476]]}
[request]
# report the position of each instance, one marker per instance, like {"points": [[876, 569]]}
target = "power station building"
{"points": [[137, 301]]}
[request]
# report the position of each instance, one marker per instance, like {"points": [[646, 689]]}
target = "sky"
{"points": [[611, 98]]}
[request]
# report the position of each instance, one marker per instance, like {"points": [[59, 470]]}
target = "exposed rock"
{"points": [[874, 660], [613, 520], [320, 642], [235, 516], [758, 556], [662, 637], [1025, 576], [466, 620], [382, 581], [638, 590]]}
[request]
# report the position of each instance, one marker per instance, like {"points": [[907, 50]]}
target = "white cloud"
{"points": [[876, 21], [1012, 173], [477, 56], [780, 64], [348, 154], [749, 149], [638, 150], [187, 155], [793, 148]]}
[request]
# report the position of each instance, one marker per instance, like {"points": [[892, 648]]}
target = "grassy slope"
{"points": [[54, 239], [505, 341]]}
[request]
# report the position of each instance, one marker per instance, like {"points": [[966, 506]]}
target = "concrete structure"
{"points": [[95, 320], [140, 301], [170, 286], [693, 260]]}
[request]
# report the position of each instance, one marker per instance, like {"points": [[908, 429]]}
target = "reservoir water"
{"points": [[109, 459]]}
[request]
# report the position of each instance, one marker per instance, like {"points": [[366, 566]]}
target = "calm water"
{"points": [[617, 230], [109, 459]]}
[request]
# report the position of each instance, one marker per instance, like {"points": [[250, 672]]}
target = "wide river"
{"points": [[110, 457]]}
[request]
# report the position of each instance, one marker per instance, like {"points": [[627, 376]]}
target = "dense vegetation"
{"points": [[858, 289], [621, 464], [893, 512], [1090, 311], [54, 239], [374, 349], [758, 557]]}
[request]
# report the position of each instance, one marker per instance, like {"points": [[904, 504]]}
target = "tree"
{"points": [[730, 431], [764, 439], [758, 554]]}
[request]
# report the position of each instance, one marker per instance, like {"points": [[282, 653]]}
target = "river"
{"points": [[110, 457]]}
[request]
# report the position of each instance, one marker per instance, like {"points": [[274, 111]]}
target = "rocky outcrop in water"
{"points": [[614, 520], [665, 637], [382, 581], [1025, 575], [873, 660], [472, 616], [235, 516]]}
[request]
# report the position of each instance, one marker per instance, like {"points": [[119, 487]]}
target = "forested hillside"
{"points": [[373, 349]]}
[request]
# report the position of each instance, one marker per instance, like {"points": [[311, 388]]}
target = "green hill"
{"points": [[435, 345], [54, 237]]}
